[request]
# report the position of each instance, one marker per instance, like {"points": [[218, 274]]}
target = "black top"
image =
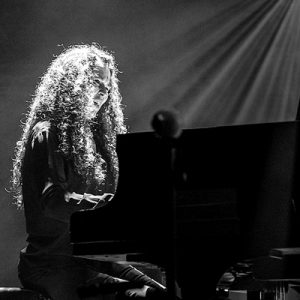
{"points": [[47, 213]]}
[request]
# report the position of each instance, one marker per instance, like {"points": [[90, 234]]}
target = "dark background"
{"points": [[216, 62]]}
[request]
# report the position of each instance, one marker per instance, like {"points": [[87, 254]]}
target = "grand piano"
{"points": [[197, 204]]}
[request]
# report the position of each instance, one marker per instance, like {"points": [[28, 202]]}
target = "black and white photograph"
{"points": [[150, 149]]}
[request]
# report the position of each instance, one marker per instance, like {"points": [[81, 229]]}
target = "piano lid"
{"points": [[230, 181]]}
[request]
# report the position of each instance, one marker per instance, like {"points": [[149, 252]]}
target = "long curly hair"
{"points": [[61, 98]]}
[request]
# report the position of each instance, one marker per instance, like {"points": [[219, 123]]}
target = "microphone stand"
{"points": [[166, 126]]}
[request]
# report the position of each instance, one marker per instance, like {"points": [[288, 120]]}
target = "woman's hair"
{"points": [[61, 98]]}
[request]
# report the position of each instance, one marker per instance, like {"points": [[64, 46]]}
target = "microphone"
{"points": [[165, 123]]}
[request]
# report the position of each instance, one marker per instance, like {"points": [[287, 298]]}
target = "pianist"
{"points": [[66, 161]]}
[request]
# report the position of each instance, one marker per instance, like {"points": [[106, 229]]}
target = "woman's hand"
{"points": [[106, 197], [100, 200]]}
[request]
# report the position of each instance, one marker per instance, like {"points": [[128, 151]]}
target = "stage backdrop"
{"points": [[216, 62]]}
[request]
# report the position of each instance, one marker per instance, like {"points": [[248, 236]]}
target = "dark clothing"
{"points": [[47, 214], [46, 264]]}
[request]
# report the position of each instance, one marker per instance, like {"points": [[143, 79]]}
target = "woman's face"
{"points": [[98, 91]]}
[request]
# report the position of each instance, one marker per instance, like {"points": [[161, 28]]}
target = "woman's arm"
{"points": [[62, 192], [96, 200]]}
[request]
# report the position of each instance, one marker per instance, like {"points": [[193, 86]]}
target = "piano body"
{"points": [[229, 191]]}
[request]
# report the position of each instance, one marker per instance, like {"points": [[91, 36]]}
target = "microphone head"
{"points": [[165, 124]]}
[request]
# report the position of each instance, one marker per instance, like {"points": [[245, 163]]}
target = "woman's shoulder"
{"points": [[41, 132]]}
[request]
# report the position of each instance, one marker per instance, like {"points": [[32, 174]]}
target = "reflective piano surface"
{"points": [[233, 189]]}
